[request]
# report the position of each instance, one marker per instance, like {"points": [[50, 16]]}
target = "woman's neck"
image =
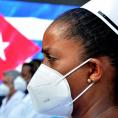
{"points": [[93, 106], [11, 94]]}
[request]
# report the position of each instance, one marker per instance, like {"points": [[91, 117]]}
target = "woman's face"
{"points": [[63, 54]]}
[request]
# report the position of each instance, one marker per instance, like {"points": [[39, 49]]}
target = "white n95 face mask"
{"points": [[20, 84], [50, 91], [4, 90]]}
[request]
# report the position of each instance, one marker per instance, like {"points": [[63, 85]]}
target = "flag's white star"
{"points": [[3, 46]]}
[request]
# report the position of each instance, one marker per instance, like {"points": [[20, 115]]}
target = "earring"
{"points": [[89, 81]]}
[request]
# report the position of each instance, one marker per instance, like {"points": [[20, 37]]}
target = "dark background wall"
{"points": [[66, 2]]}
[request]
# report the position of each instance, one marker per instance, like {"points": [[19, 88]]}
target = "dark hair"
{"points": [[97, 37], [31, 68], [36, 63]]}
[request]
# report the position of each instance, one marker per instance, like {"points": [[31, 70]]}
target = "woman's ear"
{"points": [[96, 69]]}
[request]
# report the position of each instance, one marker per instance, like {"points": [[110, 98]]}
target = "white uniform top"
{"points": [[23, 110], [26, 110], [8, 106]]}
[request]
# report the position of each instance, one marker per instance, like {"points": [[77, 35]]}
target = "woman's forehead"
{"points": [[54, 45], [54, 35], [55, 38], [58, 29]]}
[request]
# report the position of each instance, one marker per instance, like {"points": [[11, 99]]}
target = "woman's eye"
{"points": [[50, 58]]}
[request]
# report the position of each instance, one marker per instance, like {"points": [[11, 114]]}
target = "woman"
{"points": [[81, 41]]}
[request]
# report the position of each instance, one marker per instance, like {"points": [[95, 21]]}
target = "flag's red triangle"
{"points": [[19, 49]]}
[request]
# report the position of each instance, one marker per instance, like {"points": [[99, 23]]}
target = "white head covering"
{"points": [[106, 10], [12, 73]]}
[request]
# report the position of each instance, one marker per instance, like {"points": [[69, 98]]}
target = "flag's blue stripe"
{"points": [[38, 55], [28, 9]]}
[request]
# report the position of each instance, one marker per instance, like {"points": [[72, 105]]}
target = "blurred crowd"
{"points": [[14, 98]]}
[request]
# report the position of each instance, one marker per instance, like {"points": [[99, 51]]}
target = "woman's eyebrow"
{"points": [[48, 50], [45, 50]]}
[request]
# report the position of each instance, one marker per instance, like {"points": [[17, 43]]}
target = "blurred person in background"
{"points": [[1, 97], [20, 84], [35, 63], [27, 71], [25, 108], [7, 89]]}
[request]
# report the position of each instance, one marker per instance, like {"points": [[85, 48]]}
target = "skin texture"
{"points": [[7, 80], [25, 72], [63, 54]]}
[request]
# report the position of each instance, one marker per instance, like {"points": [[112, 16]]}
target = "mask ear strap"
{"points": [[84, 91], [67, 74]]}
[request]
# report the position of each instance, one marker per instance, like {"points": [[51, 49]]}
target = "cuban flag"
{"points": [[22, 25]]}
